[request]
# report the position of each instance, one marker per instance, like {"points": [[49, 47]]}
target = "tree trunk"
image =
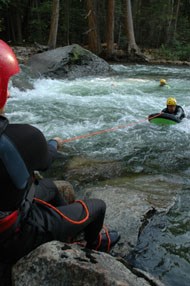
{"points": [[93, 35], [176, 16], [110, 28], [173, 19], [15, 20], [19, 28], [134, 52], [54, 25], [67, 17], [132, 46], [26, 20], [169, 29]]}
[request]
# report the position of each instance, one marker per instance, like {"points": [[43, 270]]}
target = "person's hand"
{"points": [[59, 142]]}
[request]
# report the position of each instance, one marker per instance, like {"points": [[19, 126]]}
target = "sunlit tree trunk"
{"points": [[132, 46], [54, 25], [110, 27], [93, 35]]}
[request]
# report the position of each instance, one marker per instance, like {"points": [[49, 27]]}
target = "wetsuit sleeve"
{"points": [[180, 113], [52, 149], [164, 110]]}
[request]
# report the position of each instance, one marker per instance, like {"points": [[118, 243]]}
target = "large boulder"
{"points": [[68, 62], [56, 263]]}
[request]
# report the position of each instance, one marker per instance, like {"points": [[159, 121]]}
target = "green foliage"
{"points": [[151, 22], [4, 3], [76, 54], [177, 52], [72, 22], [40, 18], [183, 30]]}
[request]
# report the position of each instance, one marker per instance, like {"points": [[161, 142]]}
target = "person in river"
{"points": [[163, 82], [173, 108], [31, 216]]}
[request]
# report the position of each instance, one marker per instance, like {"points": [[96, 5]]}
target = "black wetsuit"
{"points": [[179, 112], [37, 223]]}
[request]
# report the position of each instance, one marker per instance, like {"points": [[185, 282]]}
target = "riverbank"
{"points": [[24, 53]]}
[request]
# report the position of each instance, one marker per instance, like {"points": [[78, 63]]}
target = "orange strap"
{"points": [[100, 239], [108, 237], [64, 216]]}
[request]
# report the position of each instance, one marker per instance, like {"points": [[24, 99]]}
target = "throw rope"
{"points": [[107, 130]]}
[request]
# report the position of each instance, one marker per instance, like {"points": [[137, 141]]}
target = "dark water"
{"points": [[119, 107], [164, 244]]}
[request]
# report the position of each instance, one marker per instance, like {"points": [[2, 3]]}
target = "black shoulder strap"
{"points": [[3, 124]]}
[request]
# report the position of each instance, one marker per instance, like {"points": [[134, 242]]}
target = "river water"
{"points": [[118, 106]]}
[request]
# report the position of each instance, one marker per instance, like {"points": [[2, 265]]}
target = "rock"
{"points": [[86, 170], [66, 190], [57, 263], [68, 62], [23, 53], [124, 213], [65, 62], [24, 80]]}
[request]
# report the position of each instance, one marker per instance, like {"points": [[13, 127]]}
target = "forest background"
{"points": [[113, 29]]}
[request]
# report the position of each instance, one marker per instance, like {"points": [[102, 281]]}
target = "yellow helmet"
{"points": [[162, 81], [171, 101]]}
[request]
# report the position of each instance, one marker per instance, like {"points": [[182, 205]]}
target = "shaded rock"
{"points": [[68, 62], [23, 53], [125, 212], [130, 203], [162, 233], [170, 62], [24, 80], [84, 170], [89, 170], [56, 263]]}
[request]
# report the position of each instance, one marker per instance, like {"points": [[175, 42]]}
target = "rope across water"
{"points": [[107, 130]]}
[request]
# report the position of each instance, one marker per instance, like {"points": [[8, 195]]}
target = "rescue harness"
{"points": [[19, 175]]}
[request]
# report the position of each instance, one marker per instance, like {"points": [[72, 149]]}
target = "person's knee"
{"points": [[100, 204], [103, 205]]}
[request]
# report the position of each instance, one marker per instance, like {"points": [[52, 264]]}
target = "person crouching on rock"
{"points": [[29, 215]]}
